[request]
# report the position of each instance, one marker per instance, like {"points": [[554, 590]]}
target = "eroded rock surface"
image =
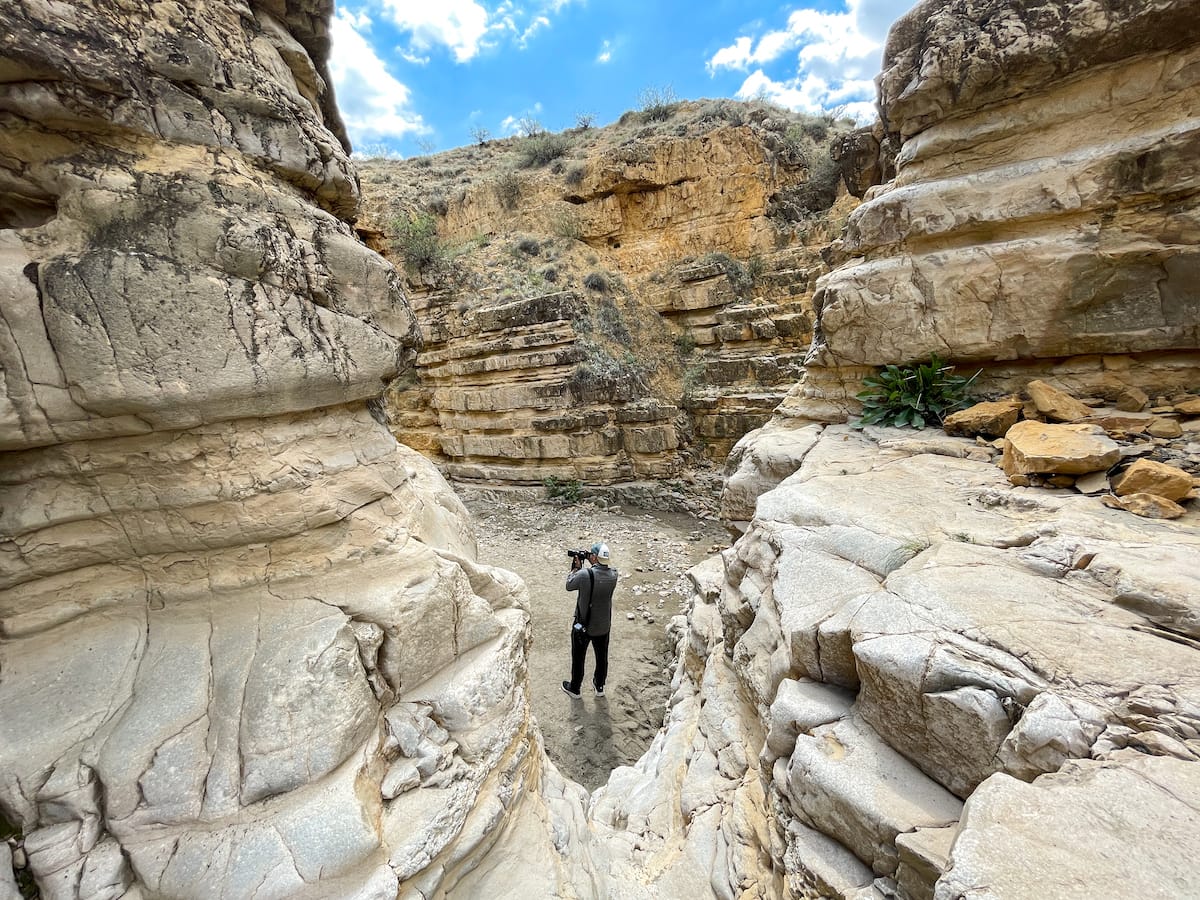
{"points": [[910, 631], [246, 651], [622, 313], [1043, 215], [1028, 652]]}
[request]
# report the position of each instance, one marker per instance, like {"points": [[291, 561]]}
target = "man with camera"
{"points": [[595, 584]]}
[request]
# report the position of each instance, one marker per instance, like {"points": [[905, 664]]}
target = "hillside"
{"points": [[608, 304]]}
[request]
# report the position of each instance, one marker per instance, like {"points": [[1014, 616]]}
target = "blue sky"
{"points": [[418, 76]]}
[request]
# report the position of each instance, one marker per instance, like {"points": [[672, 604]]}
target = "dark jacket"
{"points": [[593, 606]]}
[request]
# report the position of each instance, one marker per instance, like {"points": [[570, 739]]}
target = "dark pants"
{"points": [[579, 645]]}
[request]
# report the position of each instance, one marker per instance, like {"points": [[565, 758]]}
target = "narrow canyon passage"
{"points": [[588, 738]]}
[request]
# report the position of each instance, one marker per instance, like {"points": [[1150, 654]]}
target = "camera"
{"points": [[580, 555]]}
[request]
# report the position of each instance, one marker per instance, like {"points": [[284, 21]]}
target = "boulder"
{"points": [[1037, 448], [1150, 477], [1056, 405], [1163, 427], [1132, 399], [1189, 407], [1148, 506], [991, 419]]}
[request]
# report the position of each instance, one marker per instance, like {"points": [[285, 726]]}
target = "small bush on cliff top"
{"points": [[541, 148], [657, 104], [913, 395]]}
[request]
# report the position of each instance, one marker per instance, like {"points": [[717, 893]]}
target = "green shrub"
{"points": [[568, 490], [685, 343], [508, 189], [657, 104], [913, 395], [574, 174], [595, 281], [541, 148], [416, 240], [528, 245]]}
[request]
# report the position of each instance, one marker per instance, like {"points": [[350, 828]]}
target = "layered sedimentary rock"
{"points": [[244, 648], [929, 648], [522, 381], [1044, 216], [966, 688]]}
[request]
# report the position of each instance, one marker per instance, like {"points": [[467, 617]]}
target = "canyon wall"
{"points": [[638, 304], [1044, 214], [244, 648], [962, 687]]}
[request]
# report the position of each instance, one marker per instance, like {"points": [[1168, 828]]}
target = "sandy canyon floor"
{"points": [[652, 551]]}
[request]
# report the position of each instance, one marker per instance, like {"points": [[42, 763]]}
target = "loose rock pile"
{"points": [[1145, 461]]}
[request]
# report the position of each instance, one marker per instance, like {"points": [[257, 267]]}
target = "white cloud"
{"points": [[466, 27], [605, 54], [538, 23], [459, 25], [526, 123], [374, 105], [837, 55]]}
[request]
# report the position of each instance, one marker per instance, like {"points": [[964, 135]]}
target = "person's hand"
{"points": [[575, 564]]}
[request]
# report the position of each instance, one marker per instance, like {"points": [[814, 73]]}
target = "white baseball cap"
{"points": [[601, 550]]}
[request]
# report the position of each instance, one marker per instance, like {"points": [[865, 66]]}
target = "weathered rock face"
{"points": [[246, 651], [1041, 220], [964, 687], [652, 307], [912, 631]]}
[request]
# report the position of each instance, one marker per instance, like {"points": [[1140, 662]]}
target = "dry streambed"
{"points": [[652, 551]]}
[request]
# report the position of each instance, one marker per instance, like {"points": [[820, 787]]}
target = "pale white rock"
{"points": [[8, 880], [1092, 483], [800, 706], [761, 460], [819, 866], [924, 857], [844, 781], [1097, 813]]}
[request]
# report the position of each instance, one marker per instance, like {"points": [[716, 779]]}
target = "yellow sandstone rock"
{"points": [[1038, 448], [1148, 506], [1056, 405], [1164, 428], [992, 418], [1132, 399], [1149, 477]]}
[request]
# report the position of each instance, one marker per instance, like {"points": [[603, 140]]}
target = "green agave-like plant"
{"points": [[913, 395]]}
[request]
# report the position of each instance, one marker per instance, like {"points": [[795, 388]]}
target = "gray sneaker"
{"points": [[599, 690], [566, 686]]}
